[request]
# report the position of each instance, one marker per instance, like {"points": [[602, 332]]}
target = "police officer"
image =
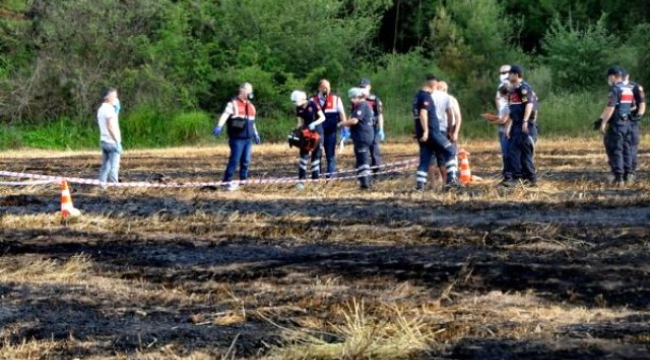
{"points": [[334, 111], [618, 115], [430, 138], [362, 133], [378, 123], [522, 131], [310, 116], [240, 117], [637, 113]]}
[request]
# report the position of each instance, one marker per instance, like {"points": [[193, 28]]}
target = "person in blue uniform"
{"points": [[616, 125], [362, 133], [377, 122], [430, 138], [522, 131], [638, 111], [310, 116], [332, 107]]}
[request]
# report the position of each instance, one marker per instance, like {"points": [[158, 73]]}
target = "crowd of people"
{"points": [[437, 124]]}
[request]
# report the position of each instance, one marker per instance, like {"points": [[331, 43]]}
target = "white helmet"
{"points": [[355, 92], [298, 97]]}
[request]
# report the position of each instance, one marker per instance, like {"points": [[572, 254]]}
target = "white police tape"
{"points": [[26, 183], [44, 179]]}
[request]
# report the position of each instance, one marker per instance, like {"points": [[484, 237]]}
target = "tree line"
{"points": [[170, 57]]}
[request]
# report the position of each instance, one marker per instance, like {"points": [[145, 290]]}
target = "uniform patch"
{"points": [[426, 103], [359, 112]]}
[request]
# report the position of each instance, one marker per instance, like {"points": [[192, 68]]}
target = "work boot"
{"points": [[508, 183], [629, 178], [420, 186], [618, 183], [454, 184]]}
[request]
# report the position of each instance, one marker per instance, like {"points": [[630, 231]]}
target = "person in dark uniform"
{"points": [[240, 117], [616, 125], [334, 111], [638, 111], [522, 132], [310, 116], [362, 133], [431, 140], [378, 123]]}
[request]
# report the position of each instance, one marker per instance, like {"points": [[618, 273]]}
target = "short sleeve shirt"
{"points": [[423, 101]]}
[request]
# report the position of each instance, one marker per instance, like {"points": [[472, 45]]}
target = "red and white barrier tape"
{"points": [[44, 179]]}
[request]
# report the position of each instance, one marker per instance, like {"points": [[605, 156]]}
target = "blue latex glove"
{"points": [[312, 126], [119, 148], [381, 135], [345, 134], [258, 140], [217, 130], [117, 106]]}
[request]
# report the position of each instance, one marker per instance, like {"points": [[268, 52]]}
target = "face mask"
{"points": [[610, 82], [116, 105], [251, 96], [503, 77]]}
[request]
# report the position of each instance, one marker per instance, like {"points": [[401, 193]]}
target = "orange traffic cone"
{"points": [[67, 208], [465, 172]]}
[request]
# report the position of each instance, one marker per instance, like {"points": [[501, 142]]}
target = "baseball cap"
{"points": [[615, 70], [624, 72], [516, 69], [364, 82]]}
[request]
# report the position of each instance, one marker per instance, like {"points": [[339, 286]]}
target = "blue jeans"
{"points": [[329, 143], [240, 153], [110, 163], [505, 142]]}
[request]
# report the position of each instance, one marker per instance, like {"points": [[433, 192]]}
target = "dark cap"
{"points": [[615, 70], [516, 69], [107, 91], [364, 82], [624, 72], [431, 77]]}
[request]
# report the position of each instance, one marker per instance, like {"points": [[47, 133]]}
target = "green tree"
{"points": [[579, 56]]}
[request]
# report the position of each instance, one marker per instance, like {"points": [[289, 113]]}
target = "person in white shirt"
{"points": [[501, 102], [445, 104], [110, 138]]}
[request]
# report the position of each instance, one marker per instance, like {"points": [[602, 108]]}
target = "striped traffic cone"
{"points": [[465, 172], [67, 208]]}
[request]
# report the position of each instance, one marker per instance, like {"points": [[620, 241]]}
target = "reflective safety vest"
{"points": [[242, 120], [625, 101], [329, 105]]}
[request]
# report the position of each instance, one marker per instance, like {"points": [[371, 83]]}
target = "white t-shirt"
{"points": [[503, 100], [442, 102], [107, 112]]}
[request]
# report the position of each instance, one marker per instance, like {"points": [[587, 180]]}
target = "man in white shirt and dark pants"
{"points": [[446, 109], [110, 137]]}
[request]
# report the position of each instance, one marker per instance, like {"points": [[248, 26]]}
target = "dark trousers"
{"points": [[303, 163], [437, 144], [634, 146], [362, 153], [618, 145], [240, 153], [329, 143], [375, 154], [521, 153]]}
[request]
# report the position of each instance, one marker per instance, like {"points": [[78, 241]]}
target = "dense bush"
{"points": [[176, 63]]}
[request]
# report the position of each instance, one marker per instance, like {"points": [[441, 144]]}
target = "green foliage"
{"points": [[144, 126], [189, 128], [562, 114], [64, 133], [578, 56]]}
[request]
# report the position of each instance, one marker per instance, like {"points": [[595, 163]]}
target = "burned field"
{"points": [[560, 271]]}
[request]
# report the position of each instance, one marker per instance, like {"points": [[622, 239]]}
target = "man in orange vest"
{"points": [[332, 107], [240, 118]]}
